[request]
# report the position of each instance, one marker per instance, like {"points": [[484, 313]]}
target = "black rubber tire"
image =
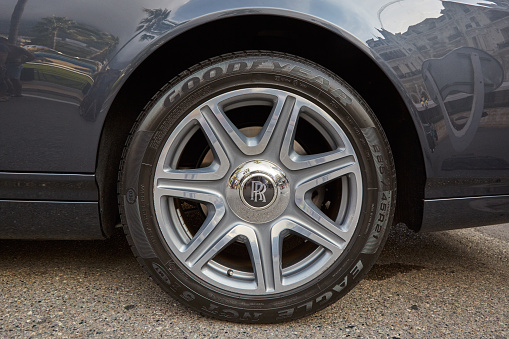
{"points": [[299, 76]]}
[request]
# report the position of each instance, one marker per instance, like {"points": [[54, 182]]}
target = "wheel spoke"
{"points": [[213, 112], [318, 163], [217, 126], [341, 147], [265, 251], [209, 241], [166, 167], [275, 128], [317, 170], [186, 189], [321, 173], [330, 238], [196, 191], [283, 122]]}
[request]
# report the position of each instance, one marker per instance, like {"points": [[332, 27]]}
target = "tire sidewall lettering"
{"points": [[212, 73]]}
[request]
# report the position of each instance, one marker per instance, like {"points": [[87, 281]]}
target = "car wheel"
{"points": [[257, 187]]}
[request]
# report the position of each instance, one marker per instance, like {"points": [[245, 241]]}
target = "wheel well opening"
{"points": [[280, 34]]}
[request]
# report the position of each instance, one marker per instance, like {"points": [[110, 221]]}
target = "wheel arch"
{"points": [[280, 34]]}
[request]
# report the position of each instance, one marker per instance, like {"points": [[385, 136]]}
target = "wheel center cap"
{"points": [[258, 191]]}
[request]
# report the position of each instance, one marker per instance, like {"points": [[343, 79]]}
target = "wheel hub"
{"points": [[258, 191]]}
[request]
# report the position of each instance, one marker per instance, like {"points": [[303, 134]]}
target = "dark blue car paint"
{"points": [[49, 139]]}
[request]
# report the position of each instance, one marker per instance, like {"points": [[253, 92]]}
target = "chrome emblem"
{"points": [[258, 189]]}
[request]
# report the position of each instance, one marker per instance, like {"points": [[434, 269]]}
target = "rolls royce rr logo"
{"points": [[258, 189]]}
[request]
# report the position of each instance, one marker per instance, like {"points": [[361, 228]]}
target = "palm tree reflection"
{"points": [[48, 28], [15, 20], [155, 24]]}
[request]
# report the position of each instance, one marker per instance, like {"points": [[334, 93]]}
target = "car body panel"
{"points": [[449, 60]]}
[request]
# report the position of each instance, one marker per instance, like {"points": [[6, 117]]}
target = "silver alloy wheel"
{"points": [[224, 223]]}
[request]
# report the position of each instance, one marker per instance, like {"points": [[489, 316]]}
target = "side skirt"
{"points": [[49, 220], [454, 213], [49, 206]]}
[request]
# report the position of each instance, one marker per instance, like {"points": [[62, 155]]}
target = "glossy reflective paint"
{"points": [[448, 59], [454, 70]]}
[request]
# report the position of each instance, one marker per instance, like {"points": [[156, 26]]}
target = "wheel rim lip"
{"points": [[211, 273]]}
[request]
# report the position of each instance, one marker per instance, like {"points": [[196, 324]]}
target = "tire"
{"points": [[257, 187]]}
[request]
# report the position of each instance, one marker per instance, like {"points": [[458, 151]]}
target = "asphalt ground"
{"points": [[452, 284]]}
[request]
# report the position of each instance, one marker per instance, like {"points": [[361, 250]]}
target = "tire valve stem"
{"points": [[230, 273]]}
